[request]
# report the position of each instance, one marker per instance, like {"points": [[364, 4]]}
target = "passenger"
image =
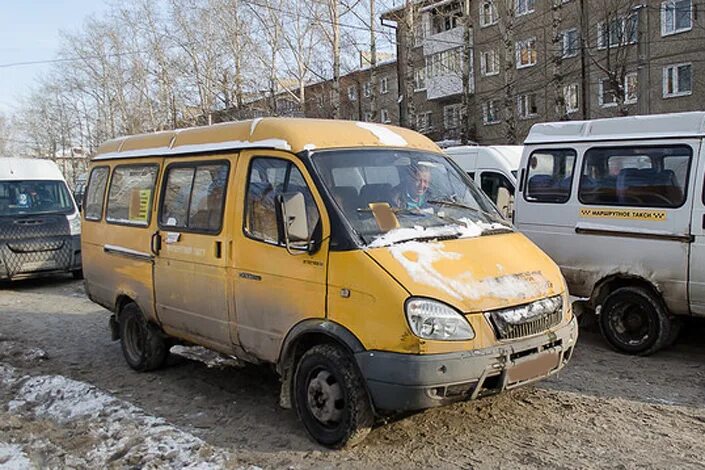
{"points": [[413, 193]]}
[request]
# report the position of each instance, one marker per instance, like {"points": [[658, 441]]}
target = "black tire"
{"points": [[143, 345], [634, 321], [331, 398], [78, 274]]}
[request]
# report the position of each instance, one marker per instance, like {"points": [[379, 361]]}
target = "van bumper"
{"points": [[66, 259], [403, 382]]}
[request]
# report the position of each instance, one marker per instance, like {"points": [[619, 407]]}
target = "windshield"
{"points": [[394, 195], [34, 197]]}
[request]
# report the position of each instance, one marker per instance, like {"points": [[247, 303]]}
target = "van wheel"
{"points": [[142, 344], [331, 398], [635, 321]]}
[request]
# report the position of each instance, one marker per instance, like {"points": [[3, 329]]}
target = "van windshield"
{"points": [[30, 197], [397, 195]]}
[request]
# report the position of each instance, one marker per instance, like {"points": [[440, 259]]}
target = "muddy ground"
{"points": [[69, 399]]}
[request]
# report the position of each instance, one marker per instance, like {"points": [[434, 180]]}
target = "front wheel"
{"points": [[331, 398], [142, 344], [635, 321]]}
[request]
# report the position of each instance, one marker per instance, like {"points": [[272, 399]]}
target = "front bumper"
{"points": [[400, 382], [40, 257]]}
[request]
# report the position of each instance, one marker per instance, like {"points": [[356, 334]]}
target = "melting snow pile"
{"points": [[124, 434], [385, 135], [12, 457]]}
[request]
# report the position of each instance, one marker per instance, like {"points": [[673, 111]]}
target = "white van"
{"points": [[493, 168], [39, 223], [629, 230]]}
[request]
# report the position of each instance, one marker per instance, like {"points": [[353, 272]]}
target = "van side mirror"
{"points": [[293, 222]]}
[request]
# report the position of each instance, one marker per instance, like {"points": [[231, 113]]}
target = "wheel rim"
{"points": [[325, 397], [631, 324], [134, 339]]}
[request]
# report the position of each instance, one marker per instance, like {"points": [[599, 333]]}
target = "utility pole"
{"points": [[467, 58], [373, 66]]}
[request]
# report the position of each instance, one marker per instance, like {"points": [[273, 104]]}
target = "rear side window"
{"points": [[130, 195], [550, 175], [193, 197], [637, 176], [93, 208]]}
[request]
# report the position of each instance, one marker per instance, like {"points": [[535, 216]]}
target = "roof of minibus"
{"points": [[16, 169], [623, 128], [291, 134]]}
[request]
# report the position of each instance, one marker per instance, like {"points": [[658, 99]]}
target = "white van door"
{"points": [[696, 285]]}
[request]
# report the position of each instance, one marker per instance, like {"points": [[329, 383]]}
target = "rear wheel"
{"points": [[142, 344], [330, 397], [634, 321]]}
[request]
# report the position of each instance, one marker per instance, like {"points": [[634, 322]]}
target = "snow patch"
{"points": [[310, 147], [253, 125], [12, 457], [209, 358], [385, 135], [466, 229]]}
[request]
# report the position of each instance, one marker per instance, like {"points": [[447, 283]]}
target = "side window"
{"points": [[193, 197], [636, 176], [130, 195], [492, 182], [268, 178], [93, 209], [550, 175]]}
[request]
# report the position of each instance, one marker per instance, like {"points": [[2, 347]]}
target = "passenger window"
{"points": [[193, 197], [130, 195], [95, 194], [268, 178], [499, 189], [550, 175], [636, 176]]}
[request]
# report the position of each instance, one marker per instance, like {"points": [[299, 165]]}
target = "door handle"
{"points": [[703, 221], [218, 249], [155, 244]]}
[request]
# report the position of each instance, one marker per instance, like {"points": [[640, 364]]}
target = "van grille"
{"points": [[527, 320]]}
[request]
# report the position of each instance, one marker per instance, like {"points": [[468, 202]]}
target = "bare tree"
{"points": [[505, 14]]}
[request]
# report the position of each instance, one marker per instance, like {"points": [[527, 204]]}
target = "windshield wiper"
{"points": [[448, 202]]}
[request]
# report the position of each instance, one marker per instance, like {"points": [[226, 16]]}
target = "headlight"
{"points": [[430, 319], [74, 224]]}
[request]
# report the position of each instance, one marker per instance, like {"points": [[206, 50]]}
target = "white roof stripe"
{"points": [[197, 148]]}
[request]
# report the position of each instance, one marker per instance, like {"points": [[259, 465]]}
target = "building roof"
{"points": [[622, 128], [15, 169], [292, 134]]}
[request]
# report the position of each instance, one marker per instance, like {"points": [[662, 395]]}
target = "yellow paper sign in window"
{"points": [[139, 205]]}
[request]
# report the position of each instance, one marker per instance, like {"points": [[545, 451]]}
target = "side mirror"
{"points": [[293, 222]]}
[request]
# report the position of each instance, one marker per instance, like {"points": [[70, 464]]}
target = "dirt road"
{"points": [[69, 399]]}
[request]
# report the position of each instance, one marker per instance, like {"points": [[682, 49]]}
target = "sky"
{"points": [[29, 31]]}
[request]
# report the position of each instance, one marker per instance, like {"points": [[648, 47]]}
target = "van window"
{"points": [[491, 182], [550, 175], [193, 197], [130, 194], [95, 194], [635, 176], [268, 178]]}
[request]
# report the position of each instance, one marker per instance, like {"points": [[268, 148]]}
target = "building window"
{"points": [[367, 89], [570, 43], [526, 106], [676, 16], [451, 116], [524, 7], [352, 93], [490, 112], [488, 13], [617, 31], [489, 63], [384, 85], [677, 80], [446, 17], [384, 115], [570, 98], [448, 62], [423, 122], [608, 96], [420, 79], [526, 53]]}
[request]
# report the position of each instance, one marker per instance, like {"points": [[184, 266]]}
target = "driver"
{"points": [[413, 193]]}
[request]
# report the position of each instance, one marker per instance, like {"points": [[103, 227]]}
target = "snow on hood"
{"points": [[385, 135], [466, 229], [418, 259]]}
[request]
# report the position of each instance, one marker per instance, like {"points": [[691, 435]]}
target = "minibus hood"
{"points": [[473, 274]]}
